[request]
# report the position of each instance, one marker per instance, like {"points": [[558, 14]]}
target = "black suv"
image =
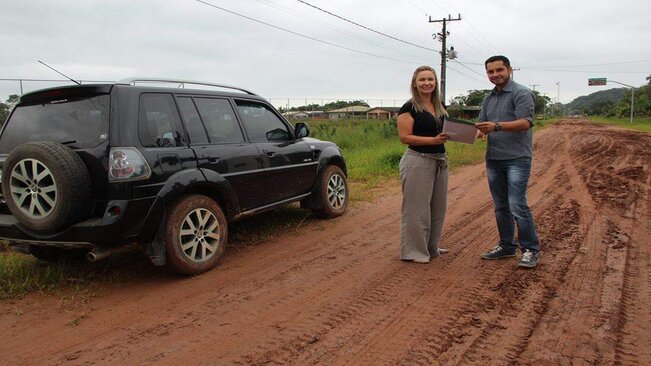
{"points": [[96, 169]]}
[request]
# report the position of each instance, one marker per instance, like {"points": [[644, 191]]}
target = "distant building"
{"points": [[464, 112], [306, 115], [382, 112], [295, 115], [355, 111], [317, 114]]}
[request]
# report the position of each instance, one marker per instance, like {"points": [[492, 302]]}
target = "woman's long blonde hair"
{"points": [[439, 110]]}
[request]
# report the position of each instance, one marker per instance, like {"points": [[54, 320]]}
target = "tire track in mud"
{"points": [[266, 290], [378, 300], [377, 320], [592, 320], [400, 330], [337, 293]]}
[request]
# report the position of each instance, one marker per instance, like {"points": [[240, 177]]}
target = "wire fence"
{"points": [[22, 86]]}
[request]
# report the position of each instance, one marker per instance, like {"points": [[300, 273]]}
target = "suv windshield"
{"points": [[79, 123]]}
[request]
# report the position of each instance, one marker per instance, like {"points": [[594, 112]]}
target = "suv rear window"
{"points": [[79, 123]]}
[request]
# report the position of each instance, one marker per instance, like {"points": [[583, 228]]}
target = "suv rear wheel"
{"points": [[195, 235], [46, 186], [333, 193]]}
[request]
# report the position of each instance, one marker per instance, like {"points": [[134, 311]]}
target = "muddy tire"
{"points": [[47, 186], [196, 233], [332, 193]]}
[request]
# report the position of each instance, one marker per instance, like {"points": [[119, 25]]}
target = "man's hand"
{"points": [[480, 136], [486, 127]]}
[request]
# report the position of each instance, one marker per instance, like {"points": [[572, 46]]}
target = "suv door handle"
{"points": [[269, 152], [213, 160]]}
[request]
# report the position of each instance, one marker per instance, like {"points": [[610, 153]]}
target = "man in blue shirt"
{"points": [[507, 119]]}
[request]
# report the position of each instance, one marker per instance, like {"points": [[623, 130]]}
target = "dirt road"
{"points": [[337, 293]]}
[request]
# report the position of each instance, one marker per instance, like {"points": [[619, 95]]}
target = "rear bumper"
{"points": [[108, 231]]}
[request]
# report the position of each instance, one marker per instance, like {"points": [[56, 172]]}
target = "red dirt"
{"points": [[337, 293]]}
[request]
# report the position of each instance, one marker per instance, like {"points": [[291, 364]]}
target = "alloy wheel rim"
{"points": [[199, 235], [33, 188], [336, 191]]}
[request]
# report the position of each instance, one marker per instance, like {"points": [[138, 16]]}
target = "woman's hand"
{"points": [[441, 138]]}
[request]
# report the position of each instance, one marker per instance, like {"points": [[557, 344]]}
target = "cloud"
{"points": [[110, 40]]}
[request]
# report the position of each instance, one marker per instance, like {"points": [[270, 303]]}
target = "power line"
{"points": [[466, 75], [474, 71], [418, 7], [303, 35], [338, 29], [606, 64], [365, 27], [585, 71], [491, 48]]}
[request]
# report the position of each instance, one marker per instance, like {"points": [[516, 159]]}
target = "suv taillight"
{"points": [[127, 163]]}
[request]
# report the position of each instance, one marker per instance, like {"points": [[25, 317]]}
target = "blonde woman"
{"points": [[423, 169]]}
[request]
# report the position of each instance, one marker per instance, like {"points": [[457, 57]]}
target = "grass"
{"points": [[372, 151], [639, 123], [21, 273]]}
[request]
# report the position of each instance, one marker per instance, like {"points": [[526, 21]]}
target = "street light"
{"points": [[603, 81]]}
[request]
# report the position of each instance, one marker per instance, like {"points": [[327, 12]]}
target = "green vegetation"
{"points": [[326, 107], [614, 102], [373, 151], [22, 273], [639, 123], [5, 107], [476, 98]]}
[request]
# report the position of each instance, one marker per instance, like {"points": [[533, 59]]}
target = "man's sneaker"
{"points": [[529, 259], [498, 253]]}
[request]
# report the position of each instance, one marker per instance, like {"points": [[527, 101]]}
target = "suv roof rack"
{"points": [[133, 80]]}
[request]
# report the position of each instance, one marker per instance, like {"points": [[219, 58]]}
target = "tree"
{"points": [[5, 108], [541, 102], [474, 98]]}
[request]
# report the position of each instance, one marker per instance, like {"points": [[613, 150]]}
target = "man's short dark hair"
{"points": [[506, 61]]}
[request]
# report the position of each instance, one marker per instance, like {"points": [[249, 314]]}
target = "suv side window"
{"points": [[219, 118], [158, 122], [192, 121], [261, 124]]}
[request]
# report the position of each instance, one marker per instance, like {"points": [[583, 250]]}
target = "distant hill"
{"points": [[589, 102]]}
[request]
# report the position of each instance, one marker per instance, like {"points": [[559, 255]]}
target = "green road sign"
{"points": [[596, 81]]}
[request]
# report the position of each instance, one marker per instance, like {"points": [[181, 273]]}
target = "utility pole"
{"points": [[558, 96], [444, 52], [533, 87], [513, 70]]}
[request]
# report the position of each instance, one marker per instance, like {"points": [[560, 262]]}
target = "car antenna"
{"points": [[60, 73]]}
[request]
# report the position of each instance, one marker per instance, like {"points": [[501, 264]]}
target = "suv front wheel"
{"points": [[195, 234], [332, 193]]}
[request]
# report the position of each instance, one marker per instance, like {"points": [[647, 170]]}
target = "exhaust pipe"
{"points": [[101, 253]]}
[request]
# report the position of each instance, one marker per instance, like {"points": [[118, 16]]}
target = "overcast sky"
{"points": [[555, 45]]}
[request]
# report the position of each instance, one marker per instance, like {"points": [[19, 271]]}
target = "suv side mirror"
{"points": [[301, 130]]}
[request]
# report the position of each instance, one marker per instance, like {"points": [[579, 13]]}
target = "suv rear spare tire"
{"points": [[46, 186]]}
